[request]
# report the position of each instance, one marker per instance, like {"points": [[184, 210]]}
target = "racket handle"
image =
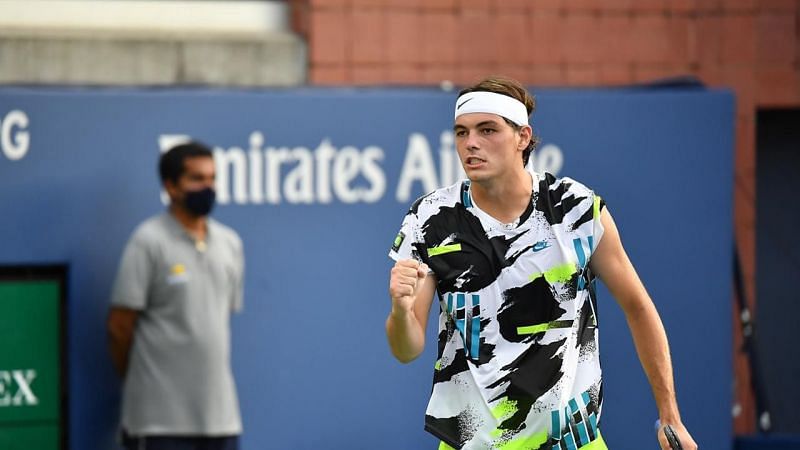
{"points": [[672, 437]]}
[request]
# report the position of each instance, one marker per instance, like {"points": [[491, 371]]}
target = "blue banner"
{"points": [[316, 181]]}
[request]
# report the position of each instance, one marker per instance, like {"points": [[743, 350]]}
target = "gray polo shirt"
{"points": [[179, 379]]}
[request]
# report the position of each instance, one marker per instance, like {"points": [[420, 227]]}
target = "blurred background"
{"points": [[714, 84]]}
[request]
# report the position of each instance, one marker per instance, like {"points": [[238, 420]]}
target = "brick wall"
{"points": [[751, 46]]}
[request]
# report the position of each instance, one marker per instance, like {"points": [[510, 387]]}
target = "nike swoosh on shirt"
{"points": [[539, 246]]}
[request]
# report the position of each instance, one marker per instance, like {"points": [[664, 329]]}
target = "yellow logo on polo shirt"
{"points": [[177, 274]]}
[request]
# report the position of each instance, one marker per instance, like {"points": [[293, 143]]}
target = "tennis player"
{"points": [[514, 256]]}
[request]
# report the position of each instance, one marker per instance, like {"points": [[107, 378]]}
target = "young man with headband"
{"points": [[513, 256]]}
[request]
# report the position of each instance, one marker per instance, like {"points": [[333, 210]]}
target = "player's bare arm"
{"points": [[411, 290], [611, 263]]}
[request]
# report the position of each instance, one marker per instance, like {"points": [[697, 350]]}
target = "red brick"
{"points": [[776, 41], [649, 6], [519, 72], [475, 4], [517, 6], [437, 5], [300, 13], [546, 43], [579, 6], [547, 75], [525, 50], [320, 4], [706, 47], [744, 204], [547, 5], [744, 207], [404, 74], [510, 37], [581, 75], [437, 74], [778, 87], [614, 74], [368, 36], [709, 5], [328, 40], [362, 4], [742, 79], [468, 74], [739, 5], [580, 37], [659, 39], [617, 5], [745, 159], [324, 75], [615, 40], [778, 5], [368, 75], [402, 4], [649, 74], [711, 75], [475, 36], [679, 31], [738, 40], [439, 37], [797, 51], [405, 37], [682, 6]]}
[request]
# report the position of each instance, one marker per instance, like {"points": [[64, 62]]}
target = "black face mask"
{"points": [[201, 202]]}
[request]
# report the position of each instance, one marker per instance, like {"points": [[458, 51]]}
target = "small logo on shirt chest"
{"points": [[539, 246], [177, 274]]}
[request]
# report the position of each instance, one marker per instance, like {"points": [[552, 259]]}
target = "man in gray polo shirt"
{"points": [[180, 276]]}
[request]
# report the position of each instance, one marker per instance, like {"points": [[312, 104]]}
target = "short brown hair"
{"points": [[515, 90]]}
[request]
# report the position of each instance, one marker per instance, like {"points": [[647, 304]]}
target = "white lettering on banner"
{"points": [[299, 175], [15, 388], [419, 166], [232, 161], [256, 161], [549, 158], [372, 171], [14, 138]]}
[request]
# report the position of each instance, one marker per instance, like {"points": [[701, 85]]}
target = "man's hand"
{"points": [[687, 443], [406, 279]]}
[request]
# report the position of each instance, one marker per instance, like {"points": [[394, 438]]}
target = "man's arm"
{"points": [[121, 325], [611, 264], [411, 290]]}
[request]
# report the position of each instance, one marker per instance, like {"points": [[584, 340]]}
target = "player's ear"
{"points": [[525, 137]]}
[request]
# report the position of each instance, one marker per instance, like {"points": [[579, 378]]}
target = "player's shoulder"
{"points": [[565, 186], [431, 202]]}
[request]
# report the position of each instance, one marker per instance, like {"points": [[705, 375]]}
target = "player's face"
{"points": [[487, 145]]}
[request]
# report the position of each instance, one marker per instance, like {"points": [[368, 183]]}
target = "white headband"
{"points": [[490, 102]]}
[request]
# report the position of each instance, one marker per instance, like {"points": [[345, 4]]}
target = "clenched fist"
{"points": [[406, 278]]}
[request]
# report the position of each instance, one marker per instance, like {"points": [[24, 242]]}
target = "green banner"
{"points": [[29, 364]]}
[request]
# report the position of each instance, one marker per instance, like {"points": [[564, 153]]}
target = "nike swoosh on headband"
{"points": [[464, 102]]}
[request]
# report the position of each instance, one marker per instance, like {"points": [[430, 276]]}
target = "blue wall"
{"points": [[310, 356]]}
